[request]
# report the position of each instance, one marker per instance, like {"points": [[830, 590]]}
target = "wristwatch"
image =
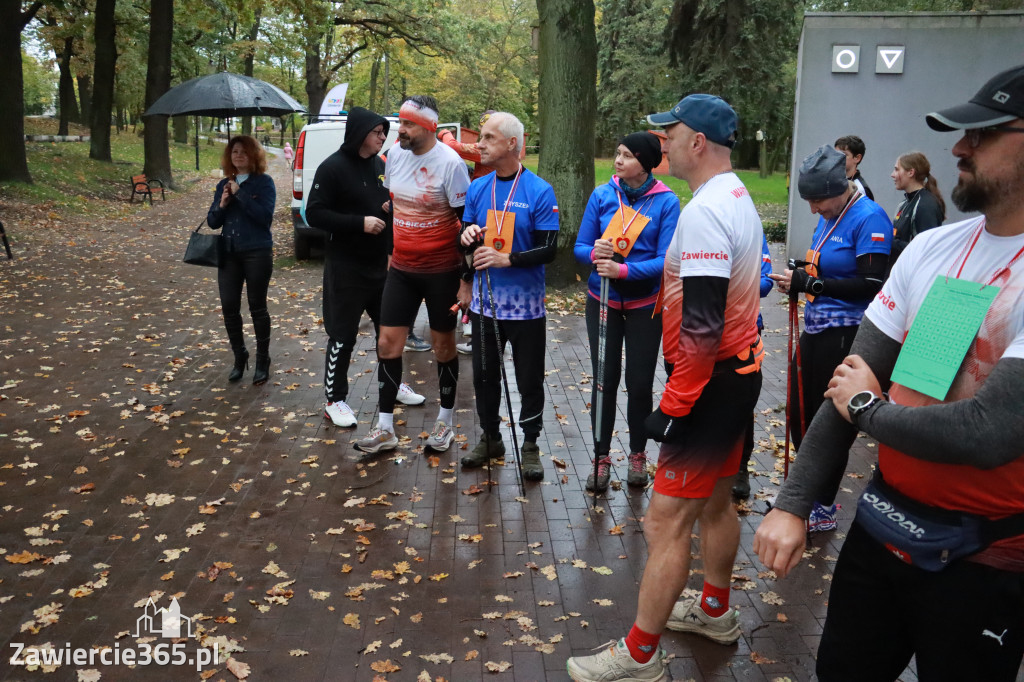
{"points": [[861, 403], [816, 286]]}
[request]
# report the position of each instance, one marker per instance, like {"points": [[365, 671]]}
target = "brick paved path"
{"points": [[130, 468]]}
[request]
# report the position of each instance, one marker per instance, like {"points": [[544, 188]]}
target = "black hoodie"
{"points": [[346, 189]]}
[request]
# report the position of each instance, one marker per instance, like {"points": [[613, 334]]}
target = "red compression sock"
{"points": [[714, 600], [642, 645]]}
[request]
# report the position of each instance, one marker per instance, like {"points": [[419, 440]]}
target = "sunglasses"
{"points": [[974, 136]]}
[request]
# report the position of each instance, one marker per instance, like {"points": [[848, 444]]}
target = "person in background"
{"points": [[741, 488], [468, 151], [636, 215], [847, 262], [923, 206], [243, 205], [289, 155], [853, 148]]}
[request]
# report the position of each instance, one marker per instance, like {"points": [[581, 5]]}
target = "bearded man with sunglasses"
{"points": [[936, 375]]}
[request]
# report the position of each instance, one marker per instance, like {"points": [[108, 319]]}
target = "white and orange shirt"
{"points": [[948, 251], [425, 190], [719, 235]]}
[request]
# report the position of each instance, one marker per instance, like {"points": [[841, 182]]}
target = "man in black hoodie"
{"points": [[347, 202]]}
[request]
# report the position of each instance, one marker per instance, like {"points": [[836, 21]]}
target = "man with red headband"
{"points": [[427, 182]]}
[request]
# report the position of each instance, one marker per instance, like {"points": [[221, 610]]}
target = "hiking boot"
{"points": [[440, 438], [822, 518], [376, 440], [741, 486], [533, 469], [688, 616], [340, 414], [407, 396], [415, 343], [489, 447], [637, 469], [615, 663], [604, 470]]}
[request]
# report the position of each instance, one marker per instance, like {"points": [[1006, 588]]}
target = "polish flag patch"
{"points": [[554, 209], [877, 237]]}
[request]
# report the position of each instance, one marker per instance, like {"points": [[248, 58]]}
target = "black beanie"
{"points": [[646, 147]]}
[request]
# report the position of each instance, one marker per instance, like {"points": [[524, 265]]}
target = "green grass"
{"points": [[770, 190], [65, 178]]}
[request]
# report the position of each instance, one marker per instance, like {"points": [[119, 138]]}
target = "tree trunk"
{"points": [[250, 55], [67, 104], [85, 88], [316, 86], [158, 81], [13, 163], [374, 71], [179, 124], [567, 102], [103, 81]]}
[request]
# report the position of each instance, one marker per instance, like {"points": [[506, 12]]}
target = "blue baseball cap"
{"points": [[708, 114]]}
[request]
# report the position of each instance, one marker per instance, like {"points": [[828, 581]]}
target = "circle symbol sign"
{"points": [[846, 59]]}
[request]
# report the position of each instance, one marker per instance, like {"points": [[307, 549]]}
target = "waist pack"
{"points": [[924, 536]]}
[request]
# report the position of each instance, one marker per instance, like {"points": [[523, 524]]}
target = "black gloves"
{"points": [[664, 428], [804, 282]]}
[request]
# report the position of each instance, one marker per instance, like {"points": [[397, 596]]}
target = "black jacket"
{"points": [[246, 219], [346, 189], [919, 211]]}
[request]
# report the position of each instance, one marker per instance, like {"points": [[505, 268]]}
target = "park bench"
{"points": [[143, 187]]}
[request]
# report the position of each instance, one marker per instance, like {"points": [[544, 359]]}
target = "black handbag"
{"points": [[203, 249]]}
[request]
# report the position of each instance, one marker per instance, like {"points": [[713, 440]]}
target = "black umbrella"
{"points": [[224, 95]]}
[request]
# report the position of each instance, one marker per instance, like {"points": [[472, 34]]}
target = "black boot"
{"points": [[241, 364], [262, 371]]}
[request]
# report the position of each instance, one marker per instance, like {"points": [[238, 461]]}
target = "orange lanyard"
{"points": [[500, 220], [816, 251], [636, 212]]}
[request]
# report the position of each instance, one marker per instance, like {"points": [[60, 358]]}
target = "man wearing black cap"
{"points": [[710, 300], [936, 375]]}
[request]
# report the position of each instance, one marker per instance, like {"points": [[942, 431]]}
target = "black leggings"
{"points": [[343, 310], [527, 338], [253, 269], [641, 333]]}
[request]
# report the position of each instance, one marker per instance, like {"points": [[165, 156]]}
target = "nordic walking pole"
{"points": [[483, 377], [602, 336], [504, 382], [794, 369]]}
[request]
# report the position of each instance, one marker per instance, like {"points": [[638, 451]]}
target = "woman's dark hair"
{"points": [[918, 162], [257, 157]]}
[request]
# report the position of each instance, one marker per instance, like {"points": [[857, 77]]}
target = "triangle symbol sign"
{"points": [[890, 57]]}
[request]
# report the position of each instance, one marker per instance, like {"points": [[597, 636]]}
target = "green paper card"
{"points": [[941, 335]]}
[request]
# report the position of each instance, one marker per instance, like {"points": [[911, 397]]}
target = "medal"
{"points": [[498, 244], [621, 243]]}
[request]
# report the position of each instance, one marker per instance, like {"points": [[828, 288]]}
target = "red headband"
{"points": [[420, 115]]}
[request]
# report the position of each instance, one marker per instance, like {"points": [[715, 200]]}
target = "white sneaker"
{"points": [[376, 440], [440, 438], [615, 663], [341, 414], [465, 348], [407, 396], [688, 616]]}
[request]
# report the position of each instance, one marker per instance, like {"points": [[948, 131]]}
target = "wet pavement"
{"points": [[131, 469]]}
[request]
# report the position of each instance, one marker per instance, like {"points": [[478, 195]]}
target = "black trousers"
{"points": [[641, 335], [343, 309], [252, 269], [963, 623], [527, 338]]}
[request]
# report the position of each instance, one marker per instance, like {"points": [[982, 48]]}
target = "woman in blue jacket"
{"points": [[625, 233], [243, 206]]}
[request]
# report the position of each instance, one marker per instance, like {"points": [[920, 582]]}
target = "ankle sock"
{"points": [[386, 420], [642, 645], [714, 600], [445, 415]]}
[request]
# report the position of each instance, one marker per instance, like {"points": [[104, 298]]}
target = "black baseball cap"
{"points": [[999, 101]]}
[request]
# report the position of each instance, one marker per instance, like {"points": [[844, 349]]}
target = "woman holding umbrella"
{"points": [[243, 205], [626, 230]]}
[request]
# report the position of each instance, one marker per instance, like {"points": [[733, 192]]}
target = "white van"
{"points": [[318, 140]]}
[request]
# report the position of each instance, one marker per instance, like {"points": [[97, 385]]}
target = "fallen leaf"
{"points": [[237, 668], [385, 666], [352, 620], [503, 665]]}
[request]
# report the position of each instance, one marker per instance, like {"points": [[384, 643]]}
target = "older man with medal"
{"points": [[933, 565], [511, 224]]}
